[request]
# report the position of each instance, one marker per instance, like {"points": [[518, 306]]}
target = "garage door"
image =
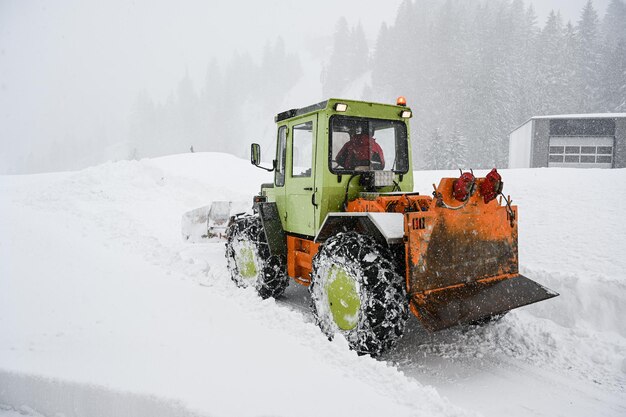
{"points": [[581, 152]]}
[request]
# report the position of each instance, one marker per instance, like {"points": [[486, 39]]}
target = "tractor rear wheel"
{"points": [[357, 292], [249, 260]]}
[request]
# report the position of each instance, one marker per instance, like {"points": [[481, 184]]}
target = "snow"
{"points": [[104, 310], [390, 224]]}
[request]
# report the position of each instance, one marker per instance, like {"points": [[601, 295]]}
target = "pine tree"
{"points": [[549, 77], [359, 52], [613, 87], [337, 71], [456, 151], [613, 29], [382, 72], [612, 91], [524, 43], [350, 58], [569, 93], [587, 64], [434, 155]]}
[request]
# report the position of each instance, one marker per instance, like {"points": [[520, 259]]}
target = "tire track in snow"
{"points": [[88, 203], [525, 348]]}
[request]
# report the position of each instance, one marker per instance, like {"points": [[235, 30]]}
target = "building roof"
{"points": [[583, 116], [575, 116]]}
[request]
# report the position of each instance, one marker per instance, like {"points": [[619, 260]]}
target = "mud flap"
{"points": [[473, 302], [273, 228]]}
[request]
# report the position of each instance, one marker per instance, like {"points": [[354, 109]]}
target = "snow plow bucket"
{"points": [[206, 222], [469, 304], [462, 261]]}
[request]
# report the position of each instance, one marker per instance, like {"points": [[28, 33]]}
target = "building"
{"points": [[570, 140]]}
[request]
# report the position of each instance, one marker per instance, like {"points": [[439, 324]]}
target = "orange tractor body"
{"points": [[461, 258]]}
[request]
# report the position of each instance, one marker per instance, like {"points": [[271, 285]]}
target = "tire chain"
{"points": [[273, 279]]}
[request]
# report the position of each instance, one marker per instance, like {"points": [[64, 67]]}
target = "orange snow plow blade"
{"points": [[468, 304], [462, 261]]}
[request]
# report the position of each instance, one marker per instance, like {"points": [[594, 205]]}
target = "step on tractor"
{"points": [[341, 218]]}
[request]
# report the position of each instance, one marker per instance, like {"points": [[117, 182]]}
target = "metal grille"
{"points": [[581, 151]]}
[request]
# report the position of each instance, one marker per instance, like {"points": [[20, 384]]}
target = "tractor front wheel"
{"points": [[249, 260], [356, 291]]}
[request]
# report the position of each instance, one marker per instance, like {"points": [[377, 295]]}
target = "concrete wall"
{"points": [[541, 143], [520, 146], [619, 153]]}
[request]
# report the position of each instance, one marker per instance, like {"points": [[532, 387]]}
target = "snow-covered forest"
{"points": [[472, 71], [212, 117], [475, 71]]}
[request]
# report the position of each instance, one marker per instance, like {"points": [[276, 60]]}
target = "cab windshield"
{"points": [[361, 144]]}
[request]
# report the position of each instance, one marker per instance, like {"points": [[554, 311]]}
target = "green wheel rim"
{"points": [[246, 263], [343, 298]]}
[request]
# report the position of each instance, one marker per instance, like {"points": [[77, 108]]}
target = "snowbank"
{"points": [[100, 299]]}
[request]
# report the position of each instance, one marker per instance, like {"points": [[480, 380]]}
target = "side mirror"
{"points": [[255, 157], [255, 154]]}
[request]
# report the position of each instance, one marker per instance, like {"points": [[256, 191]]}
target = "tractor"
{"points": [[341, 218]]}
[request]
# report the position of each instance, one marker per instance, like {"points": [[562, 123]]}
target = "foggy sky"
{"points": [[71, 69]]}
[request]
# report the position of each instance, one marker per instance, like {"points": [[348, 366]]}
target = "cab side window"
{"points": [[281, 149], [302, 156]]}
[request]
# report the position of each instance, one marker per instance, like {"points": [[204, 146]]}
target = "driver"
{"points": [[361, 150]]}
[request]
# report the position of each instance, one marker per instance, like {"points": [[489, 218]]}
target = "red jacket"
{"points": [[361, 150]]}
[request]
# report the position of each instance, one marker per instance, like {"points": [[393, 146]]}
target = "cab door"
{"points": [[300, 184]]}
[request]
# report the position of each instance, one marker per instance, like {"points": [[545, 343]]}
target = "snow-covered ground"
{"points": [[104, 310]]}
